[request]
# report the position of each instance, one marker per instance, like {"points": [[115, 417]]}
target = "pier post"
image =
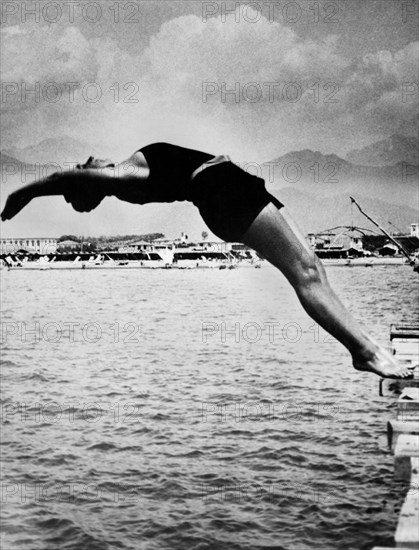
{"points": [[403, 432]]}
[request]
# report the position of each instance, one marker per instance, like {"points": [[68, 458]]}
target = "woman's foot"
{"points": [[382, 363]]}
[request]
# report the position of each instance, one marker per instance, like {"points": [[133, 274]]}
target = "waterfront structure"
{"points": [[403, 432], [68, 245], [333, 241], [389, 249], [38, 245], [136, 246]]}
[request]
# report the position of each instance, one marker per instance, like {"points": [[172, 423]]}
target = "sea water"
{"points": [[193, 409]]}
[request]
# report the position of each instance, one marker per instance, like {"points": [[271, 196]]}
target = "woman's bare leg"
{"points": [[277, 238]]}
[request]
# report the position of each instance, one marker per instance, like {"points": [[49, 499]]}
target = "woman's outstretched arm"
{"points": [[277, 238], [86, 187]]}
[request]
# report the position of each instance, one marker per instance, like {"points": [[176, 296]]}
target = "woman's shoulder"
{"points": [[172, 153], [156, 145], [136, 160]]}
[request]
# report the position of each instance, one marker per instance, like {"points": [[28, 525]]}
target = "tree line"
{"points": [[110, 238]]}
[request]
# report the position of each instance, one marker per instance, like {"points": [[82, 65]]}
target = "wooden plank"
{"points": [[411, 341], [407, 342], [399, 334], [406, 417], [403, 324], [404, 330], [398, 427], [404, 337], [409, 393], [405, 348], [408, 407], [407, 447], [407, 532], [395, 327], [403, 433], [410, 360], [414, 478], [392, 386], [402, 468], [408, 403]]}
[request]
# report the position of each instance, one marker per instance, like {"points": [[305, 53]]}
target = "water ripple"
{"points": [[185, 439]]}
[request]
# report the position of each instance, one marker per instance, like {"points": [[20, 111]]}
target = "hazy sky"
{"points": [[329, 76]]}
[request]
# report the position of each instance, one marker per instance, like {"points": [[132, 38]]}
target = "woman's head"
{"points": [[96, 163]]}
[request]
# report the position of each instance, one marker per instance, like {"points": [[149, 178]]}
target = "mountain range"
{"points": [[53, 150], [386, 152], [327, 175], [315, 188]]}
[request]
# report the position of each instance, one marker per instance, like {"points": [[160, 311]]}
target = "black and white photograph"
{"points": [[209, 274]]}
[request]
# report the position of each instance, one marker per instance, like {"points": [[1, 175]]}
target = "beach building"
{"points": [[137, 246], [389, 249], [68, 245], [39, 245]]}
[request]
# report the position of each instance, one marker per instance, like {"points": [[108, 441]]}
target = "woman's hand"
{"points": [[15, 202]]}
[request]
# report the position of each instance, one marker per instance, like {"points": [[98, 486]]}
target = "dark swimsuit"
{"points": [[228, 198]]}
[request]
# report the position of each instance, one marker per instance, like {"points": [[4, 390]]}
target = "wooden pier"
{"points": [[403, 433]]}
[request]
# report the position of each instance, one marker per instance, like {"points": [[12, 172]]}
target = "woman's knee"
{"points": [[310, 272]]}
